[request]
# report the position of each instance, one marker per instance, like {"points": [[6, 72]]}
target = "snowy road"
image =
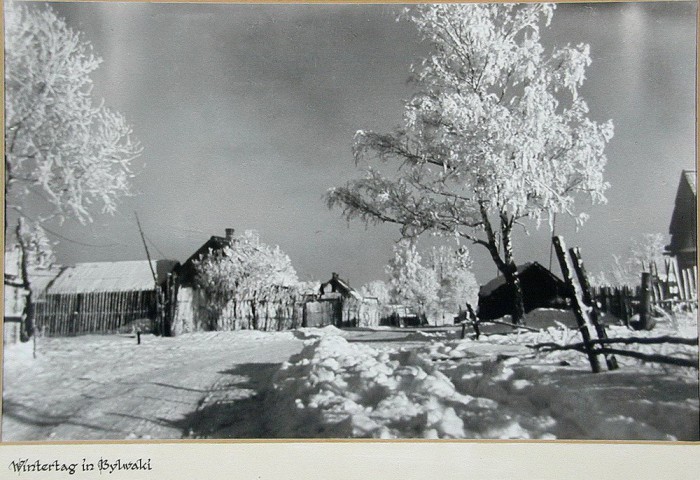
{"points": [[218, 385], [107, 387]]}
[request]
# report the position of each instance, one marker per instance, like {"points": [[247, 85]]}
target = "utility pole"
{"points": [[159, 306]]}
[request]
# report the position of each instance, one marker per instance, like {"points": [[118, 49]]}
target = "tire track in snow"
{"points": [[124, 392]]}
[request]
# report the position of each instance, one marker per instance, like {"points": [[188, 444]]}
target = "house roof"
{"points": [[40, 278], [342, 286], [499, 281], [128, 276], [187, 272], [683, 220]]}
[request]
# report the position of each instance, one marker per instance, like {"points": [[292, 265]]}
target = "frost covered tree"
{"points": [[377, 289], [644, 253], [36, 253], [62, 150], [411, 282], [496, 134], [458, 285], [245, 270]]}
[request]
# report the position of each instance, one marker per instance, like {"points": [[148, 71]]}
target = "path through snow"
{"points": [[108, 387]]}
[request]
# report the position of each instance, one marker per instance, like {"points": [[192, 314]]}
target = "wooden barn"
{"points": [[338, 304], [104, 297], [541, 289], [683, 228]]}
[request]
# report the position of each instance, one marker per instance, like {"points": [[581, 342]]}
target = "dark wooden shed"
{"points": [[541, 289]]}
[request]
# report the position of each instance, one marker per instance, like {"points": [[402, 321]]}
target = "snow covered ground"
{"points": [[492, 388], [381, 383], [108, 387]]}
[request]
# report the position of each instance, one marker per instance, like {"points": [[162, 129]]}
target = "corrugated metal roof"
{"points": [[128, 276]]}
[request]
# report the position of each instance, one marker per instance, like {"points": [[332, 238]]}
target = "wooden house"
{"points": [[338, 304], [193, 311], [187, 272], [541, 289], [683, 227], [104, 297]]}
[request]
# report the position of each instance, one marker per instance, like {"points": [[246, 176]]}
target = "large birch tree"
{"points": [[495, 135]]}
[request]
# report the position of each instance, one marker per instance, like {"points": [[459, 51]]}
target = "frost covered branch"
{"points": [[496, 132]]}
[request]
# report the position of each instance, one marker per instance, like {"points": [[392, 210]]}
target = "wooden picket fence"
{"points": [[670, 289], [103, 312]]}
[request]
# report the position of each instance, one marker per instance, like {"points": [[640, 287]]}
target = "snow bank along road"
{"points": [[328, 383]]}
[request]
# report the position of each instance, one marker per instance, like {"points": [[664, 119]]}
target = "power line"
{"points": [[156, 247], [77, 242]]}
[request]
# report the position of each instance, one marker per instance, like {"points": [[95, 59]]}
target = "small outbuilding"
{"points": [[338, 304], [541, 289]]}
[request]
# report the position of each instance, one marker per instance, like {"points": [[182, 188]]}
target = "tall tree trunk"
{"points": [[505, 265], [511, 273], [28, 313], [513, 280], [254, 313]]}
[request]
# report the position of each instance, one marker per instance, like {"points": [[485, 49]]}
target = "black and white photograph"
{"points": [[350, 221]]}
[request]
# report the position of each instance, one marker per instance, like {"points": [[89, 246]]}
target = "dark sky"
{"points": [[246, 114]]}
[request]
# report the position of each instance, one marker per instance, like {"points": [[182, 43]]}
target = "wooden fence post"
{"points": [[645, 321], [577, 297], [575, 254]]}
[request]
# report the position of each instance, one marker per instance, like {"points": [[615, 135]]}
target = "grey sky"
{"points": [[247, 112]]}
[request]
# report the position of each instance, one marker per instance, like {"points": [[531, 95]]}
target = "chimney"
{"points": [[229, 233]]}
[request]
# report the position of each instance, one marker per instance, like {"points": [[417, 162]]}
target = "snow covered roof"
{"points": [[350, 291], [341, 286], [500, 280], [128, 276], [40, 279]]}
